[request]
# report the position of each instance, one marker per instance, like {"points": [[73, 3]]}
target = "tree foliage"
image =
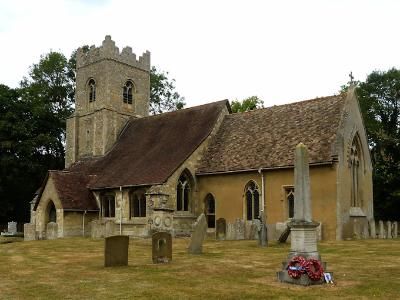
{"points": [[379, 98], [247, 104], [163, 96]]}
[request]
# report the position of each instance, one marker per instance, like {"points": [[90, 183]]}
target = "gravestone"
{"points": [[161, 247], [389, 229], [395, 230], [381, 230], [372, 229], [262, 233], [12, 228], [239, 229], [51, 231], [230, 231], [116, 251], [365, 232], [198, 235], [303, 229], [220, 229], [30, 232]]}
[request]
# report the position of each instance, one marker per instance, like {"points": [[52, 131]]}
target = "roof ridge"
{"points": [[291, 103]]}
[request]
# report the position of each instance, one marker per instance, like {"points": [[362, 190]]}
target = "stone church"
{"points": [[130, 173]]}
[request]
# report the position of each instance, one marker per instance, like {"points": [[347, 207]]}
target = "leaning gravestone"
{"points": [[220, 229], [304, 266], [198, 235], [116, 251], [161, 247], [51, 231]]}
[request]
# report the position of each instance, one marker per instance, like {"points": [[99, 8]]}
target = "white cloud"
{"points": [[279, 50]]}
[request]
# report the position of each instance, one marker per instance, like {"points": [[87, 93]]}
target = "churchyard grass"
{"points": [[72, 268]]}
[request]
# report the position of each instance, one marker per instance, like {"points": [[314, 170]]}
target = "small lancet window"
{"points": [[290, 201], [127, 93], [92, 90], [183, 193], [355, 166], [108, 206], [252, 200]]}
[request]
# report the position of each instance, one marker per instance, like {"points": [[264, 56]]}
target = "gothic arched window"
{"points": [[183, 193], [52, 213], [137, 202], [92, 90], [252, 193], [355, 169], [127, 92]]}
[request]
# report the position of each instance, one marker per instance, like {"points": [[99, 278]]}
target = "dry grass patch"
{"points": [[73, 269]]}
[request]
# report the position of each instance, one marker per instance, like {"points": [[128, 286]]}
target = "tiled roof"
{"points": [[72, 189], [267, 137], [150, 149]]}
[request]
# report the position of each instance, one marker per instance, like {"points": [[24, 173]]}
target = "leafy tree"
{"points": [[247, 104], [379, 98], [163, 96]]}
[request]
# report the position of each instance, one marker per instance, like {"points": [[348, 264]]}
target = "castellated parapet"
{"points": [[108, 50]]}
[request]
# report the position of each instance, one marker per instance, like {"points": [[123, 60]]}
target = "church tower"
{"points": [[111, 87]]}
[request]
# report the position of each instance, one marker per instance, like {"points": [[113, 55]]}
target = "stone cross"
{"points": [[302, 200], [351, 77]]}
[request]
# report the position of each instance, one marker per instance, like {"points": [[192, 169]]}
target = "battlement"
{"points": [[108, 50]]}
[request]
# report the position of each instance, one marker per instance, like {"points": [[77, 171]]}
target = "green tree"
{"points": [[379, 98], [247, 104], [163, 96]]}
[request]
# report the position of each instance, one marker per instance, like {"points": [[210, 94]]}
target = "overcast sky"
{"points": [[281, 51]]}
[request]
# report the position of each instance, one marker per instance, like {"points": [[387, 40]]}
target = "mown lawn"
{"points": [[73, 269]]}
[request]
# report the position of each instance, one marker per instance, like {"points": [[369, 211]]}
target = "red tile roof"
{"points": [[267, 137]]}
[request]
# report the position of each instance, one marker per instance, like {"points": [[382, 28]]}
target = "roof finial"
{"points": [[351, 78]]}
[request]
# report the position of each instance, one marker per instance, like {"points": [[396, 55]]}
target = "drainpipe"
{"points": [[120, 212], [263, 233], [83, 223], [262, 190]]}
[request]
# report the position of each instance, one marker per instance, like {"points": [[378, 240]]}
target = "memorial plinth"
{"points": [[303, 229]]}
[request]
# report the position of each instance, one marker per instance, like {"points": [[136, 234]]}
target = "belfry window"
{"points": [[137, 203], [355, 167], [92, 90], [252, 194], [108, 206], [127, 92], [183, 193]]}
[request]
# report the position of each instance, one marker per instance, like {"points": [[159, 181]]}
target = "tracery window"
{"points": [[252, 193], [127, 92], [137, 203], [92, 90], [183, 193], [355, 167], [108, 206]]}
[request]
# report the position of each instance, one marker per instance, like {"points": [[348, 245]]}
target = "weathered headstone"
{"points": [[230, 231], [220, 229], [12, 228], [239, 229], [303, 228], [262, 233], [381, 230], [365, 232], [30, 232], [395, 230], [51, 231], [198, 235], [389, 229], [372, 229], [161, 247], [116, 251]]}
